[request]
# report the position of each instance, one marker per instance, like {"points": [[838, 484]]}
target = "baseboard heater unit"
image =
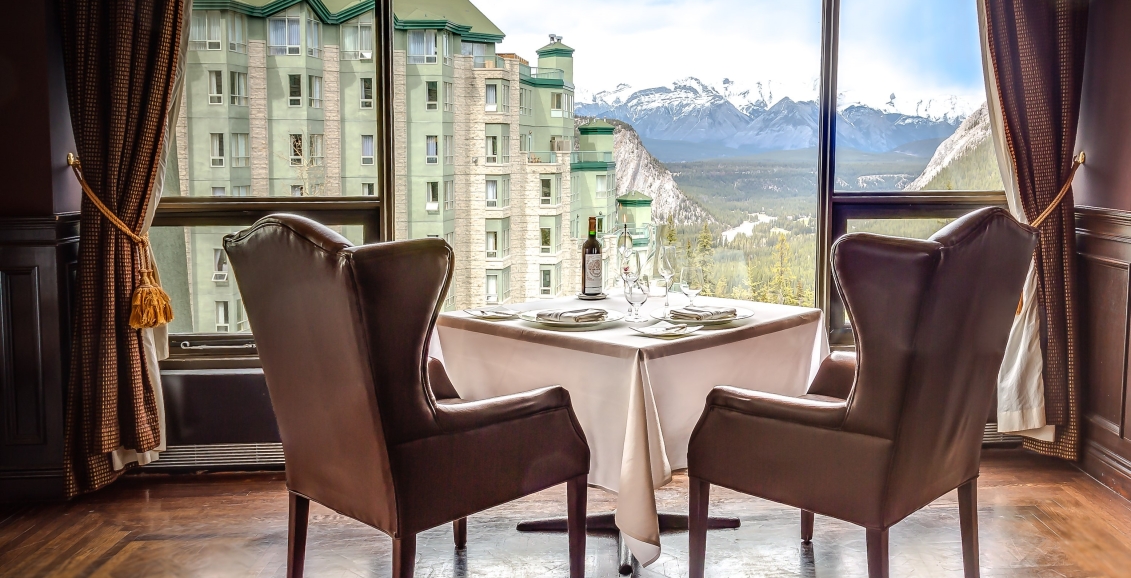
{"points": [[221, 456]]}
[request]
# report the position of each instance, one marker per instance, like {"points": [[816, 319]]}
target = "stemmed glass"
{"points": [[691, 281], [636, 286], [665, 269]]}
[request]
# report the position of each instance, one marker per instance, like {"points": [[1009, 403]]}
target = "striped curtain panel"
{"points": [[1036, 50], [121, 59]]}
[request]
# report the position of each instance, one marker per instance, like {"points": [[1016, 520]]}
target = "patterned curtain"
{"points": [[1036, 48], [121, 58]]}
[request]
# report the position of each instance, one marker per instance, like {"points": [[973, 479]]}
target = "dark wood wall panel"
{"points": [[1103, 238], [21, 373]]}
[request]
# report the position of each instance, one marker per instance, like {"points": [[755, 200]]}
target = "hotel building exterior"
{"points": [[279, 100]]}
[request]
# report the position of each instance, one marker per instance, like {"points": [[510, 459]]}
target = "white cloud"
{"points": [[648, 43]]}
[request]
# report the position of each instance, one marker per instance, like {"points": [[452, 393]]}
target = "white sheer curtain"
{"points": [[155, 341], [278, 32], [1021, 386], [416, 43]]}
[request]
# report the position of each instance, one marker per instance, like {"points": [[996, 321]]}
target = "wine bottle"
{"points": [[591, 266]]}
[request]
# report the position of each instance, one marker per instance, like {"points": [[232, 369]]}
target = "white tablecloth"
{"points": [[637, 398]]}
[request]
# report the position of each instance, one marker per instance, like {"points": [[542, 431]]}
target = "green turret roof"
{"points": [[634, 199], [598, 126], [555, 48]]}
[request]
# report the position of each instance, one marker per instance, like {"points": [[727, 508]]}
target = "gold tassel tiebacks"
{"points": [[150, 306]]}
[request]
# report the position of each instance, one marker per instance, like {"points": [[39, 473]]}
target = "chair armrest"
{"points": [[835, 376], [811, 411], [455, 415], [438, 380]]}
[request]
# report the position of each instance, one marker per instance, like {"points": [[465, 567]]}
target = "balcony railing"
{"points": [[536, 157], [591, 157], [489, 62], [541, 73]]}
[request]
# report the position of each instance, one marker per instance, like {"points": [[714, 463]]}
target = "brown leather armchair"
{"points": [[342, 333], [887, 431]]}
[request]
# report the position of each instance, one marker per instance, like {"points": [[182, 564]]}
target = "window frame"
{"points": [[432, 94], [238, 160], [294, 90], [207, 42], [314, 89], [237, 88], [293, 46], [215, 87], [237, 23], [365, 103], [216, 152]]}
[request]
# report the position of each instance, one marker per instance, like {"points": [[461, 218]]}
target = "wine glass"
{"points": [[636, 287], [665, 269], [691, 281]]}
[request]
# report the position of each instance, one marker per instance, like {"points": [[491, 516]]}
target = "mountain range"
{"points": [[726, 120]]}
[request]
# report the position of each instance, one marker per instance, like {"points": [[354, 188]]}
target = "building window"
{"points": [[492, 151], [492, 193], [433, 95], [240, 152], [505, 150], [357, 38], [447, 45], [492, 288], [215, 87], [602, 186], [504, 98], [525, 101], [557, 278], [221, 317], [317, 154], [561, 105], [313, 38], [367, 189], [449, 195], [366, 93], [219, 192], [241, 316], [547, 237], [546, 287], [449, 97], [366, 149], [297, 190], [296, 150], [433, 203], [422, 47], [601, 223], [431, 149], [547, 191], [449, 151], [492, 98], [219, 266], [492, 244], [238, 88], [205, 32], [450, 238], [294, 90], [315, 88], [506, 249], [237, 32], [217, 149], [283, 33], [241, 191]]}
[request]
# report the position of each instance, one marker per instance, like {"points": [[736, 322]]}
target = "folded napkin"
{"points": [[665, 329], [498, 313], [587, 315], [702, 313]]}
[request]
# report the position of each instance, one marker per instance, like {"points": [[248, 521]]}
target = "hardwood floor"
{"points": [[1038, 518]]}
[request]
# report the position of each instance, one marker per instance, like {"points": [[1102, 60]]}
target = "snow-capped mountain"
{"points": [[965, 160], [749, 119], [638, 170]]}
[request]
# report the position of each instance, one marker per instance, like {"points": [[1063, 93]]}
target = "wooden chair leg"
{"points": [[459, 529], [806, 526], [404, 556], [968, 518], [299, 515], [877, 553], [700, 494], [576, 491]]}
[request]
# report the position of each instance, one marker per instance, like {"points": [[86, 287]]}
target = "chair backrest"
{"points": [[342, 334], [931, 320]]}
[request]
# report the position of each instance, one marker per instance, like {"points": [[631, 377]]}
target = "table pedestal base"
{"points": [[606, 523]]}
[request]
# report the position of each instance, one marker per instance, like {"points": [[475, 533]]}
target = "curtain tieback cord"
{"points": [[150, 305], [1076, 162]]}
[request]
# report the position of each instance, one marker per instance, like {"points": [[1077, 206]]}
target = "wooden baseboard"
{"points": [[1108, 468], [32, 486]]}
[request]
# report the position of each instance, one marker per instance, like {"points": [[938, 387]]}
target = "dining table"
{"points": [[636, 397]]}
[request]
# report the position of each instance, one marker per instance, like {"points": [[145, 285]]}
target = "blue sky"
{"points": [[917, 49]]}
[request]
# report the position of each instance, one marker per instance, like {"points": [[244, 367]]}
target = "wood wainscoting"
{"points": [[1103, 238], [38, 265]]}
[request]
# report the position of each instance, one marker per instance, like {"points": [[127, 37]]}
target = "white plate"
{"points": [[665, 329], [740, 314], [509, 314], [532, 316]]}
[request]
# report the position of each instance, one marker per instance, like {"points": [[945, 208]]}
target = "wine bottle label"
{"points": [[593, 266]]}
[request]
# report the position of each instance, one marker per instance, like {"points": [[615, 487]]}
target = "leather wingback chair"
{"points": [[342, 333], [889, 430]]}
